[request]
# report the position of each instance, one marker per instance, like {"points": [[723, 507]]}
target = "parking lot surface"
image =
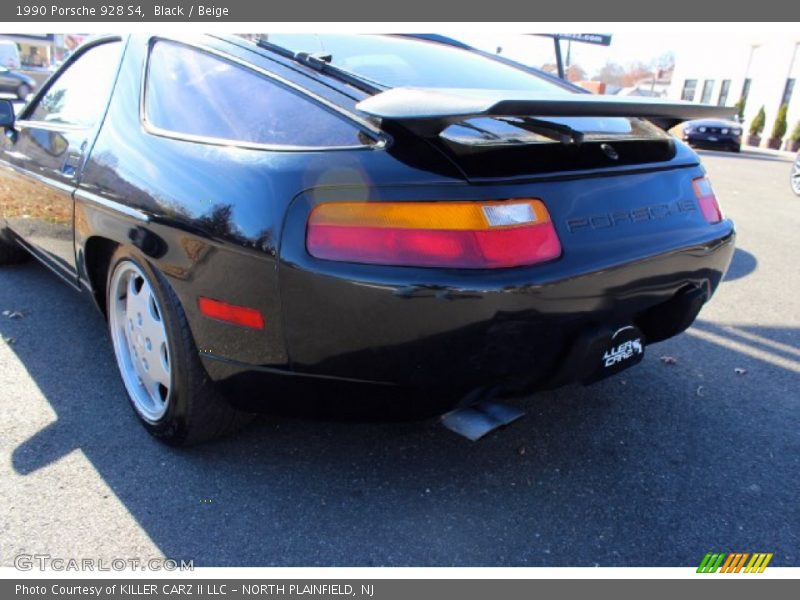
{"points": [[695, 450]]}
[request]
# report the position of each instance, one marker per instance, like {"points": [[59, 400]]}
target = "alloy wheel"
{"points": [[139, 336]]}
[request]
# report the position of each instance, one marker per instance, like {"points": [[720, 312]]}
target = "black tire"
{"points": [[11, 252], [23, 91], [195, 411]]}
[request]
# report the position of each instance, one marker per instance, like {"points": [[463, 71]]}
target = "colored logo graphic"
{"points": [[735, 562]]}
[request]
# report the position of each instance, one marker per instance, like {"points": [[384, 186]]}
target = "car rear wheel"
{"points": [[795, 178], [157, 358], [10, 251], [23, 91]]}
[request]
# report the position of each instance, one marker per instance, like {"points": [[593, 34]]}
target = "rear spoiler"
{"points": [[428, 111]]}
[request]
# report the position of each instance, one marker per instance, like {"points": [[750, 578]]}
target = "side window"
{"points": [[194, 93], [689, 87], [724, 90], [79, 94], [708, 90]]}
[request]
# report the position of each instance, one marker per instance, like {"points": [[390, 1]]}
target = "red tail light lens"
{"points": [[707, 200], [231, 313], [472, 235]]}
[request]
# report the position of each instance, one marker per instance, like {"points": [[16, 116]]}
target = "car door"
{"points": [[42, 157]]}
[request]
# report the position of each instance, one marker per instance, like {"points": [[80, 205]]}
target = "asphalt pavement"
{"points": [[695, 450]]}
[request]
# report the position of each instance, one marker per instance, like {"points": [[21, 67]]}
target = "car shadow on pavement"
{"points": [[742, 264], [653, 467]]}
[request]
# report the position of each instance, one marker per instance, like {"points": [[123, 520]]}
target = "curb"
{"points": [[760, 150]]}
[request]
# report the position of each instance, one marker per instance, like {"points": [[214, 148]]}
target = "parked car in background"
{"points": [[716, 134], [9, 55], [383, 216], [795, 176], [13, 82]]}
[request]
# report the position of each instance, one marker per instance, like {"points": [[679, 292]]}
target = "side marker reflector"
{"points": [[230, 313]]}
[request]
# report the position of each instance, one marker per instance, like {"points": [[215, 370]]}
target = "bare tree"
{"points": [[612, 74], [576, 73], [664, 62], [636, 71]]}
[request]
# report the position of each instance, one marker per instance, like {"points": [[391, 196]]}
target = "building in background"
{"points": [[39, 54], [35, 49], [657, 84], [42, 50], [66, 43], [762, 70]]}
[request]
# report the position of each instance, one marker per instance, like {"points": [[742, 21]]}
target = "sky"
{"points": [[625, 48]]}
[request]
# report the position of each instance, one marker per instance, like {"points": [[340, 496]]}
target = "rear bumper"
{"points": [[518, 335]]}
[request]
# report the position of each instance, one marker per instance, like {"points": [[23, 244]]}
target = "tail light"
{"points": [[707, 200], [472, 235]]}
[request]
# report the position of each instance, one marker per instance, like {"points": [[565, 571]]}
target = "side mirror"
{"points": [[7, 114]]}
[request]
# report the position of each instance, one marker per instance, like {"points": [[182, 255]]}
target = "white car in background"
{"points": [[9, 54]]}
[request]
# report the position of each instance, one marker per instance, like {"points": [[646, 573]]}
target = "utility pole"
{"points": [[601, 39], [559, 61]]}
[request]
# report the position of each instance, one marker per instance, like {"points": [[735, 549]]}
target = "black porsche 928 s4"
{"points": [[390, 216]]}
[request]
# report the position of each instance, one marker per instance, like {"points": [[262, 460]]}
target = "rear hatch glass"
{"points": [[486, 147]]}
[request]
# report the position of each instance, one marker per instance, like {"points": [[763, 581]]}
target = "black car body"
{"points": [[718, 134], [296, 223], [13, 82]]}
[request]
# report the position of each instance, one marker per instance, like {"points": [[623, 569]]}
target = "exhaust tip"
{"points": [[475, 421]]}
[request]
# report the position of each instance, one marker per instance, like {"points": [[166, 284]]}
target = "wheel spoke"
{"points": [[132, 286], [152, 328], [128, 340], [157, 370], [133, 306], [151, 385]]}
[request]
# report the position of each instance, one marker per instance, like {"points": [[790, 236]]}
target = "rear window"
{"points": [[194, 93], [395, 61]]}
